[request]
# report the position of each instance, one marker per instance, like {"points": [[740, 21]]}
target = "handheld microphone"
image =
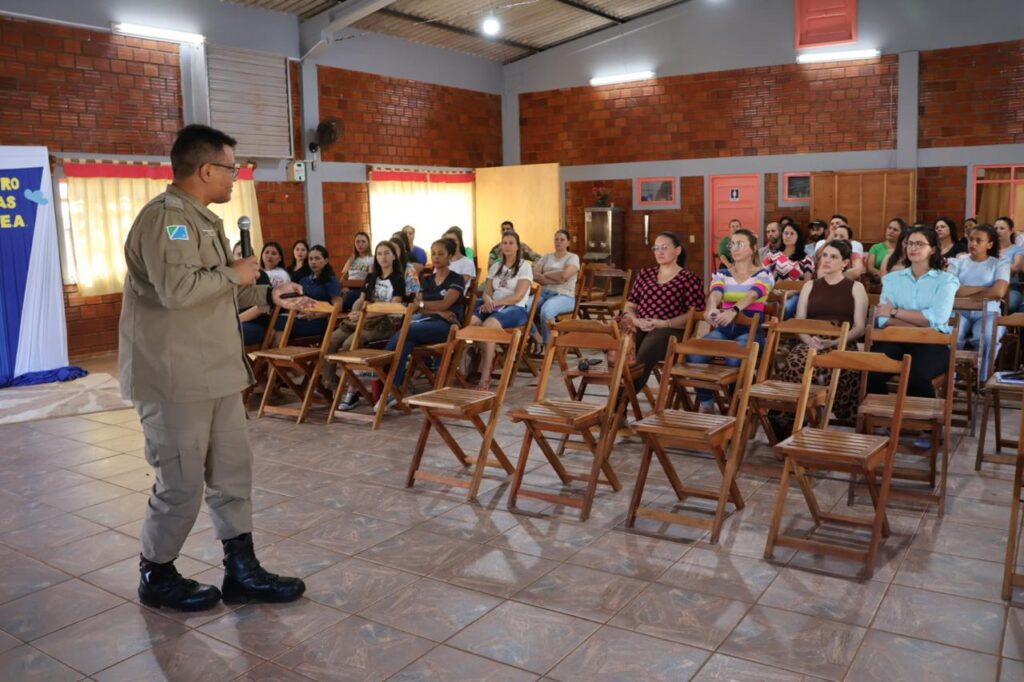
{"points": [[244, 223]]}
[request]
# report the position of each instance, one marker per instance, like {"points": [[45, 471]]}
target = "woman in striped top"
{"points": [[743, 288]]}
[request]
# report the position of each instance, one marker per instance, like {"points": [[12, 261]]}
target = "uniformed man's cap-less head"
{"points": [[203, 161]]}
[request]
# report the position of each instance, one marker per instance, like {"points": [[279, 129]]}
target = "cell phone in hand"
{"points": [[292, 294]]}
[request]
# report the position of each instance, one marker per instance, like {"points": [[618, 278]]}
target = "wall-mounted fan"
{"points": [[327, 133]]}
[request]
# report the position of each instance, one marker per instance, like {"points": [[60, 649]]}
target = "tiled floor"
{"points": [[418, 585]]}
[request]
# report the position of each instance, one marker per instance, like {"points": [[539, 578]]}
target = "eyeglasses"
{"points": [[234, 169], [917, 245], [737, 245], [662, 247]]}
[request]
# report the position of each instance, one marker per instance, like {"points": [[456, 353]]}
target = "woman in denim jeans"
{"points": [[557, 273], [742, 288]]}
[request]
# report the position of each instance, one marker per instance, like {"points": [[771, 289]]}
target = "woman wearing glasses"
{"points": [[659, 300], [920, 295], [743, 288]]}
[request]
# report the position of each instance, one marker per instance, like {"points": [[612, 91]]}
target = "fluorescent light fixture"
{"points": [[622, 78], [159, 33], [841, 56], [491, 26]]}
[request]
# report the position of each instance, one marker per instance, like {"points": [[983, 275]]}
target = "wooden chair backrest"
{"points": [[585, 335], [268, 336], [787, 328], [353, 283], [331, 309], [717, 348], [459, 339], [467, 316], [406, 310], [789, 285]]}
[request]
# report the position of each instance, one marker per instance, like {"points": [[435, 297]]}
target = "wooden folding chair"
{"points": [[607, 306], [770, 394], [825, 449], [993, 393], [934, 415], [571, 418], [1011, 578], [447, 402], [378, 362], [308, 360], [423, 358], [712, 433], [715, 376], [521, 356]]}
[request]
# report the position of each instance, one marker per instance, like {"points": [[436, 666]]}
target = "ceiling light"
{"points": [[841, 56], [159, 33], [491, 26], [622, 78]]}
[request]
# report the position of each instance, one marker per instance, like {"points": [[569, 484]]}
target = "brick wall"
{"points": [[295, 85], [772, 210], [942, 192], [394, 120], [282, 212], [346, 211], [782, 109], [687, 221], [972, 95], [88, 91], [92, 322]]}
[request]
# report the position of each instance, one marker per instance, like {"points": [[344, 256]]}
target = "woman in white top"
{"points": [[557, 272], [460, 263], [272, 262], [504, 303], [358, 266], [981, 266]]}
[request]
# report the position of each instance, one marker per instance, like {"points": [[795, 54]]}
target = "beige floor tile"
{"points": [[693, 618], [582, 592], [42, 612], [431, 609], [612, 654], [192, 656], [884, 657], [957, 621], [445, 664]]}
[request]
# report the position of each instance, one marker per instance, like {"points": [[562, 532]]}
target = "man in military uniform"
{"points": [[183, 365]]}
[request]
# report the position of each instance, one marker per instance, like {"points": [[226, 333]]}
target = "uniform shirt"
{"points": [[551, 262], [321, 291], [432, 291], [664, 301], [504, 280], [179, 335], [383, 289], [733, 291], [932, 295]]}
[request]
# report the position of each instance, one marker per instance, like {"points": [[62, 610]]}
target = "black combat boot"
{"points": [[245, 580], [162, 585]]}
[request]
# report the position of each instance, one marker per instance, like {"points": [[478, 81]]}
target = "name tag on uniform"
{"points": [[177, 233], [210, 233]]}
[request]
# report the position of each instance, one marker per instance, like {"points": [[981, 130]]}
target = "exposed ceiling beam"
{"points": [[457, 29], [575, 4], [352, 11]]}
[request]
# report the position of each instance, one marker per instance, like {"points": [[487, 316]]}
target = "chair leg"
{"points": [[986, 398], [271, 383], [780, 503], [879, 521], [517, 479], [997, 403], [727, 487], [641, 480], [417, 456], [1010, 564], [872, 486], [808, 492], [483, 453]]}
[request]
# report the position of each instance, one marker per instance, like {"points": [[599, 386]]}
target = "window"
{"points": [[796, 188], [825, 22], [100, 204], [431, 202], [999, 191]]}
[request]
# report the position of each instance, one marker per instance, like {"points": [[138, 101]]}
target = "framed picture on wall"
{"points": [[656, 193]]}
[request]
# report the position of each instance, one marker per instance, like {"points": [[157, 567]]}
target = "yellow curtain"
{"points": [[102, 211], [993, 201], [430, 207]]}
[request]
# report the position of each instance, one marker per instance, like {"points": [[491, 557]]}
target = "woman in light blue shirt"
{"points": [[920, 295], [981, 268]]}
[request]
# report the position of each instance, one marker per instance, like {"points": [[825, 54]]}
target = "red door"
{"points": [[732, 197]]}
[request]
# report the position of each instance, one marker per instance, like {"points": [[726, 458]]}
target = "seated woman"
{"points": [[950, 244], [920, 295], [878, 253], [254, 319], [856, 267], [1011, 252], [321, 285], [504, 301], [403, 237], [272, 263], [358, 266], [743, 288], [460, 262], [981, 267], [299, 267], [894, 261], [790, 263], [834, 298], [385, 284], [557, 272], [658, 302], [405, 266], [441, 303]]}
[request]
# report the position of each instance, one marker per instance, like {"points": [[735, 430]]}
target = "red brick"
{"points": [[942, 191]]}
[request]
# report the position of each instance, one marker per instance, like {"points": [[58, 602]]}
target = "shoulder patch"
{"points": [[177, 233]]}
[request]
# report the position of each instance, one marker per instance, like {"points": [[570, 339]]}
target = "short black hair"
{"points": [[195, 145]]}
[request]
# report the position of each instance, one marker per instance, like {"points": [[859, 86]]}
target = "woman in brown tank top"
{"points": [[838, 299]]}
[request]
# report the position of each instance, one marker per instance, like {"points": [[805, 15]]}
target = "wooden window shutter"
{"points": [[825, 22], [251, 101]]}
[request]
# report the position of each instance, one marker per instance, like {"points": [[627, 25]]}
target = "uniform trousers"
{"points": [[192, 446]]}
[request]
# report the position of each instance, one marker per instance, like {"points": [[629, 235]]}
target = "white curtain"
{"points": [[431, 203], [102, 210]]}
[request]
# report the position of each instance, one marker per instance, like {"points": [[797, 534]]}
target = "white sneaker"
{"points": [[391, 403], [348, 401]]}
